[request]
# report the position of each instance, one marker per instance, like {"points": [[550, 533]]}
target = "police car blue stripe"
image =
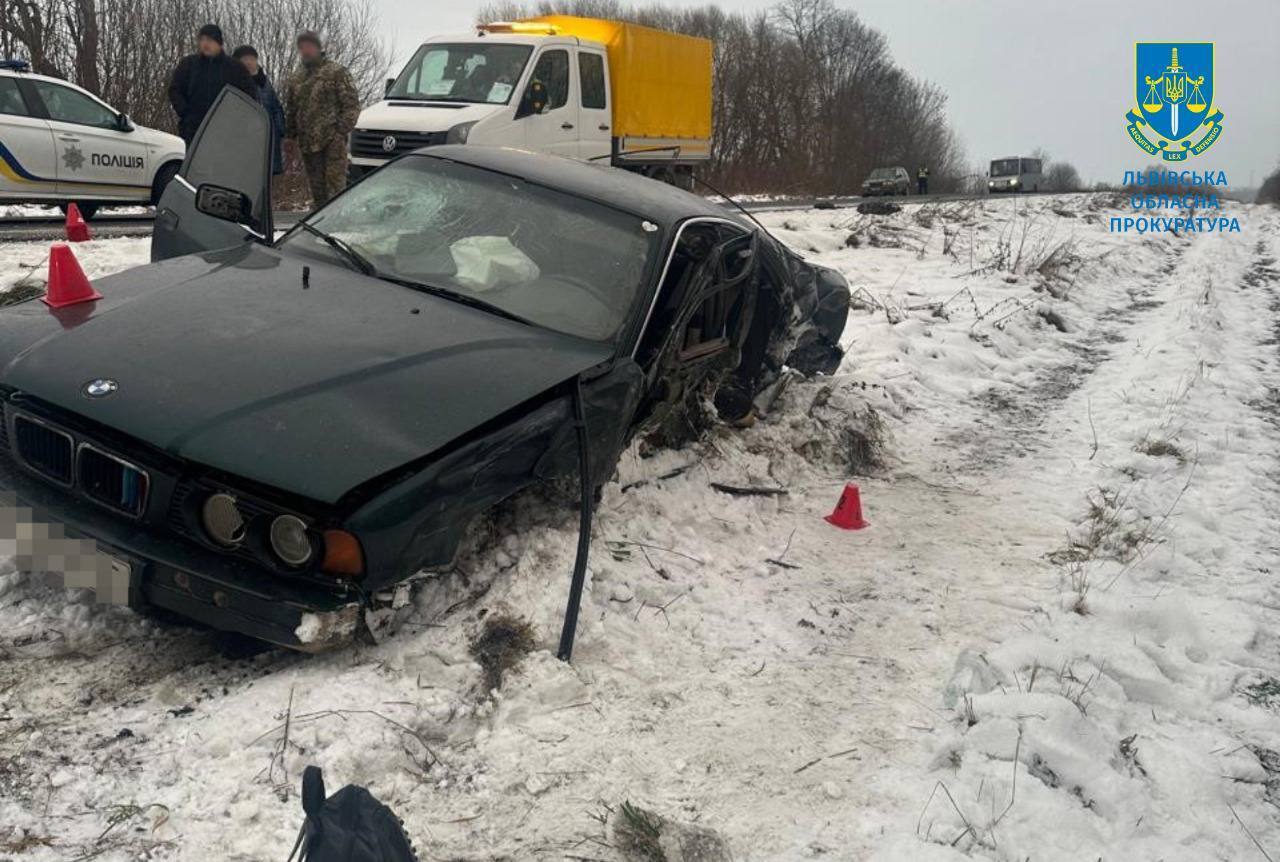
{"points": [[12, 161]]}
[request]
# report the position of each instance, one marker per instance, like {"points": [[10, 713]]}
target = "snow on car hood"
{"points": [[228, 360]]}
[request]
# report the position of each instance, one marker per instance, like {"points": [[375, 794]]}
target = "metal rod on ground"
{"points": [[585, 506]]}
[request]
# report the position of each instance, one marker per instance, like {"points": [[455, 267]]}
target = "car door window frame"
{"points": [[22, 99], [662, 289], [602, 81], [568, 79], [112, 126], [716, 303], [35, 105]]}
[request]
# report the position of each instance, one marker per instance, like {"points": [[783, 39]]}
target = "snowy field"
{"points": [[1056, 641]]}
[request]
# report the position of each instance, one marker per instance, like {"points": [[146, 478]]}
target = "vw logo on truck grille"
{"points": [[389, 144]]}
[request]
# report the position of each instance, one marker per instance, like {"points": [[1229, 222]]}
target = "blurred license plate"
{"points": [[116, 589]]}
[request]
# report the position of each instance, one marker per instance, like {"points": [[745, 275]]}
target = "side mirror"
{"points": [[225, 204], [533, 101], [386, 90], [123, 122]]}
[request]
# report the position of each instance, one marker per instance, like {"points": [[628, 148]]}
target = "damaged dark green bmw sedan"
{"points": [[267, 436]]}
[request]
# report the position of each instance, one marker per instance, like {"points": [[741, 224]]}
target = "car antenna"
{"points": [[740, 207]]}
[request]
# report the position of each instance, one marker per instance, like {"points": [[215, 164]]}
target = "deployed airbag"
{"points": [[485, 262]]}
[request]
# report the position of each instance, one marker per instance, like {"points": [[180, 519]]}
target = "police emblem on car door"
{"points": [[97, 153]]}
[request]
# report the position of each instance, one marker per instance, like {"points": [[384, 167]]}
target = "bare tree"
{"points": [[1062, 177], [1270, 191], [34, 26]]}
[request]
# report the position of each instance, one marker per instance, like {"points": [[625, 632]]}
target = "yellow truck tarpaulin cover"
{"points": [[661, 81]]}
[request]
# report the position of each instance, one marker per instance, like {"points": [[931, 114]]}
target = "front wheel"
{"points": [[163, 177], [87, 210]]}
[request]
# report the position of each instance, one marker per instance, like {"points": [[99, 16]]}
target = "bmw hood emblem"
{"points": [[100, 388], [389, 144]]}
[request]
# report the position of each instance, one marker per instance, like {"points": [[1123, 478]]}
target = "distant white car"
{"points": [[60, 143]]}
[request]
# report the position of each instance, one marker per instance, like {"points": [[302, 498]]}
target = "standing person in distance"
{"points": [[248, 56], [200, 77], [321, 108]]}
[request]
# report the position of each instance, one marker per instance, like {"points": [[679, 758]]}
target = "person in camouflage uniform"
{"points": [[321, 108]]}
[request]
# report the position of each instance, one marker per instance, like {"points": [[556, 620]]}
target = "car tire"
{"points": [[87, 210], [163, 177]]}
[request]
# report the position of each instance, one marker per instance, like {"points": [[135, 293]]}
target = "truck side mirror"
{"points": [[533, 101], [386, 90]]}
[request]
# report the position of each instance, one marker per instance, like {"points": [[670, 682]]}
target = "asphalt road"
{"points": [[105, 225]]}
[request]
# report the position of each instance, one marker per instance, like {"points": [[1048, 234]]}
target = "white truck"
{"points": [[584, 88]]}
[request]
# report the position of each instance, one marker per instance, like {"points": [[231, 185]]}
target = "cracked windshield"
{"points": [[551, 259]]}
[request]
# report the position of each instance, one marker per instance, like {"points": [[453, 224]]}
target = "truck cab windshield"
{"points": [[485, 74]]}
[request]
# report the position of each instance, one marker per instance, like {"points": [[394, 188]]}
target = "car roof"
{"points": [[611, 186], [27, 75]]}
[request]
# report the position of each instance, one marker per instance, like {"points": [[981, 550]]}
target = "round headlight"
{"points": [[222, 520], [290, 541]]}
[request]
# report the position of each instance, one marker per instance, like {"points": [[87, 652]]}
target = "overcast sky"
{"points": [[1023, 74]]}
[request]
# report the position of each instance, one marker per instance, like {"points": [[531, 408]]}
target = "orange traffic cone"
{"points": [[77, 229], [848, 512], [68, 284]]}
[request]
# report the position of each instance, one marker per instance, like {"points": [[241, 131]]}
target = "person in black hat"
{"points": [[201, 76]]}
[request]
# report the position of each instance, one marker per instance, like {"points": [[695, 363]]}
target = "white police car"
{"points": [[60, 143]]}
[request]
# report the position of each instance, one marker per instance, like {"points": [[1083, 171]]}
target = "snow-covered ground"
{"points": [[20, 211], [1057, 639]]}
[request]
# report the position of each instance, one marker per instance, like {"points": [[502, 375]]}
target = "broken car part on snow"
{"points": [[273, 437]]}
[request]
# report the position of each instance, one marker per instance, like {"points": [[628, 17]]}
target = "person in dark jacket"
{"points": [[248, 55], [201, 76]]}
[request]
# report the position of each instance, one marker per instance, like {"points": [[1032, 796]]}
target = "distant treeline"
{"points": [[808, 98], [1270, 191]]}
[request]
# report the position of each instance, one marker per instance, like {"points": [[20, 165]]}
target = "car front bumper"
{"points": [[170, 574]]}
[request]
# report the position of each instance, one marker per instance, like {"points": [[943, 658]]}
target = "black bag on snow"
{"points": [[349, 826]]}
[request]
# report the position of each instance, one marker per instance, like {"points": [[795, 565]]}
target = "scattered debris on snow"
{"points": [[1056, 640]]}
